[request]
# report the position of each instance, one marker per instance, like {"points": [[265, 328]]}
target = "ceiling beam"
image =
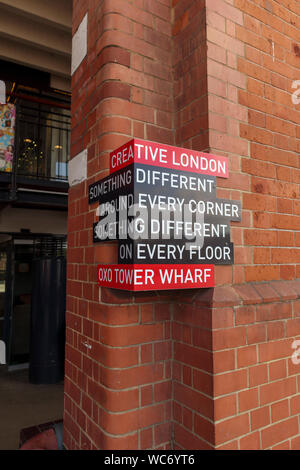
{"points": [[25, 30], [55, 12], [30, 56]]}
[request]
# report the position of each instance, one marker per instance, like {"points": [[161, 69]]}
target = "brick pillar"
{"points": [[192, 327], [208, 116], [194, 369], [118, 351], [235, 385]]}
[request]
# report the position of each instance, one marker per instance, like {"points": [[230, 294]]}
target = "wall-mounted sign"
{"points": [[159, 202], [7, 136]]}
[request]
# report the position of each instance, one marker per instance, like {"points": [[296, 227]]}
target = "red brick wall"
{"points": [[190, 74], [256, 387], [235, 385], [271, 36], [260, 333], [208, 368], [232, 353]]}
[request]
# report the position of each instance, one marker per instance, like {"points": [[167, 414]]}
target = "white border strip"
{"points": [[79, 44], [77, 170]]}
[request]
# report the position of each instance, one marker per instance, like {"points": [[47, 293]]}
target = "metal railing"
{"points": [[42, 141]]}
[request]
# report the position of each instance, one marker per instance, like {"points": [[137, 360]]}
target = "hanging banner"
{"points": [[160, 203], [7, 136]]}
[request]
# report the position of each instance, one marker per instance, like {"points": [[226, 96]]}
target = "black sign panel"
{"points": [[160, 215]]}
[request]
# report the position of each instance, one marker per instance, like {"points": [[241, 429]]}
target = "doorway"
{"points": [[17, 256]]}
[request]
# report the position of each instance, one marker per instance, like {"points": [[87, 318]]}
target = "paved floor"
{"points": [[23, 405]]}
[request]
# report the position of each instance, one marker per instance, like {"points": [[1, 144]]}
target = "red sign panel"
{"points": [[166, 156], [145, 277]]}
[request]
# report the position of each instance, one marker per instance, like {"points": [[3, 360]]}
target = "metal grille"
{"points": [[51, 247]]}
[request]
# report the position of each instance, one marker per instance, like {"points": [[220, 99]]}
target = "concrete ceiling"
{"points": [[38, 34]]}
